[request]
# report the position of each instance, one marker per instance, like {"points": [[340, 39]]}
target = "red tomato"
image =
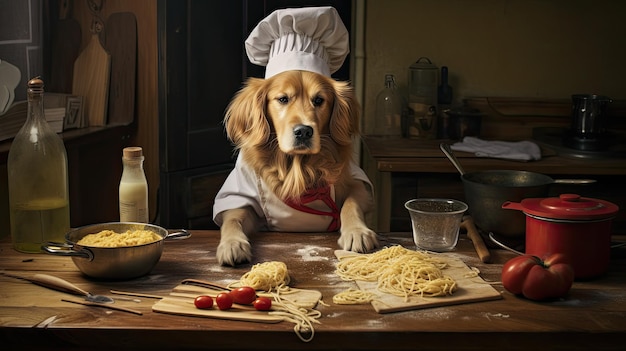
{"points": [[224, 301], [538, 279], [262, 303], [244, 295], [203, 302]]}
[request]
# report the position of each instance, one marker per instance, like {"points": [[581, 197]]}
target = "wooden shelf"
{"points": [[413, 155], [77, 137]]}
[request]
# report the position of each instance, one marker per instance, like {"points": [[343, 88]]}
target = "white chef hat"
{"points": [[310, 39]]}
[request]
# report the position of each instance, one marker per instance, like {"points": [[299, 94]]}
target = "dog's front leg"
{"points": [[355, 235], [234, 246]]}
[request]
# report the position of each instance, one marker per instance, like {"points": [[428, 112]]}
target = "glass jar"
{"points": [[389, 107], [422, 105]]}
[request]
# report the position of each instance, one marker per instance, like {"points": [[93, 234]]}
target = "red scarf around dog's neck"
{"points": [[323, 194]]}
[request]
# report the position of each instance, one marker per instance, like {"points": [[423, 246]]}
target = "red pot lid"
{"points": [[569, 206]]}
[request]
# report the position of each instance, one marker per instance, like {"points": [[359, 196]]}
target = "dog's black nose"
{"points": [[302, 132]]}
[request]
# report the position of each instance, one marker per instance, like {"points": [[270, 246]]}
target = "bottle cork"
{"points": [[132, 152], [35, 82], [35, 85]]}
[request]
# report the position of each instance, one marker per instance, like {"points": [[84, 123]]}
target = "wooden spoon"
{"points": [[59, 284]]}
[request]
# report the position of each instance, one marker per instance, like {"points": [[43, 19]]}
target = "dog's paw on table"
{"points": [[358, 239]]}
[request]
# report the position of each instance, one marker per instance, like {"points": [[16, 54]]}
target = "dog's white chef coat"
{"points": [[244, 187]]}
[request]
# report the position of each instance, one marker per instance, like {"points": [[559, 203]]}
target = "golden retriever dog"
{"points": [[294, 133]]}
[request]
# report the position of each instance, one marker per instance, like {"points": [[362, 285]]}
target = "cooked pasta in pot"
{"points": [[110, 238]]}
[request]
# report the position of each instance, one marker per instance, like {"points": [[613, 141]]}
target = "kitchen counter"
{"points": [[389, 162], [591, 316], [417, 155]]}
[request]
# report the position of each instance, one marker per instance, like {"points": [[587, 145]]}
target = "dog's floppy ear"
{"points": [[344, 122], [245, 119]]}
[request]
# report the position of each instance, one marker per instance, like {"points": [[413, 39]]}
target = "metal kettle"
{"points": [[587, 130]]}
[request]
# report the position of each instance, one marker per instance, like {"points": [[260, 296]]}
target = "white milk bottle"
{"points": [[133, 187]]}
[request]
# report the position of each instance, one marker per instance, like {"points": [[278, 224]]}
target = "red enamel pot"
{"points": [[575, 226]]}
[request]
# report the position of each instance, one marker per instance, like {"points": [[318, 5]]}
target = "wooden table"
{"points": [[591, 317]]}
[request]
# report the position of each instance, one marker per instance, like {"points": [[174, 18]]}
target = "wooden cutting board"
{"points": [[469, 289], [91, 80], [180, 302], [121, 43]]}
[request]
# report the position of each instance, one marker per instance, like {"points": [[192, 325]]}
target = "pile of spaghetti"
{"points": [[273, 277], [400, 272], [267, 276]]}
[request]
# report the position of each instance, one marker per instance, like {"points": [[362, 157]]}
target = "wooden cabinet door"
{"points": [[200, 68]]}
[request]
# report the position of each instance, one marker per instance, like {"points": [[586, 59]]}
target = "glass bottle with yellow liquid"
{"points": [[37, 179]]}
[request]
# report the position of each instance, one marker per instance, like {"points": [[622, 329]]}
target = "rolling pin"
{"points": [[479, 243]]}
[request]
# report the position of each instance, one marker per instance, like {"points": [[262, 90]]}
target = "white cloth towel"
{"points": [[512, 150]]}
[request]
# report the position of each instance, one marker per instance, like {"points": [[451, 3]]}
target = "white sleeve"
{"points": [[239, 190], [359, 174]]}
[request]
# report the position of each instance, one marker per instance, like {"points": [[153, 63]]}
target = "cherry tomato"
{"points": [[224, 301], [538, 279], [262, 303], [203, 302], [244, 295]]}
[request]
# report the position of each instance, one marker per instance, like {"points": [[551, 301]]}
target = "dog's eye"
{"points": [[283, 100], [318, 101]]}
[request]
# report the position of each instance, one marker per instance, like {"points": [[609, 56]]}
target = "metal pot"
{"points": [[578, 227], [117, 263], [486, 191]]}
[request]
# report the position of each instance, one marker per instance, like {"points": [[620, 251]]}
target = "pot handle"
{"points": [[508, 205], [574, 181], [66, 250], [178, 235], [495, 241]]}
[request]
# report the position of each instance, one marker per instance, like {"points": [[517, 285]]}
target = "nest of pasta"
{"points": [[400, 272]]}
